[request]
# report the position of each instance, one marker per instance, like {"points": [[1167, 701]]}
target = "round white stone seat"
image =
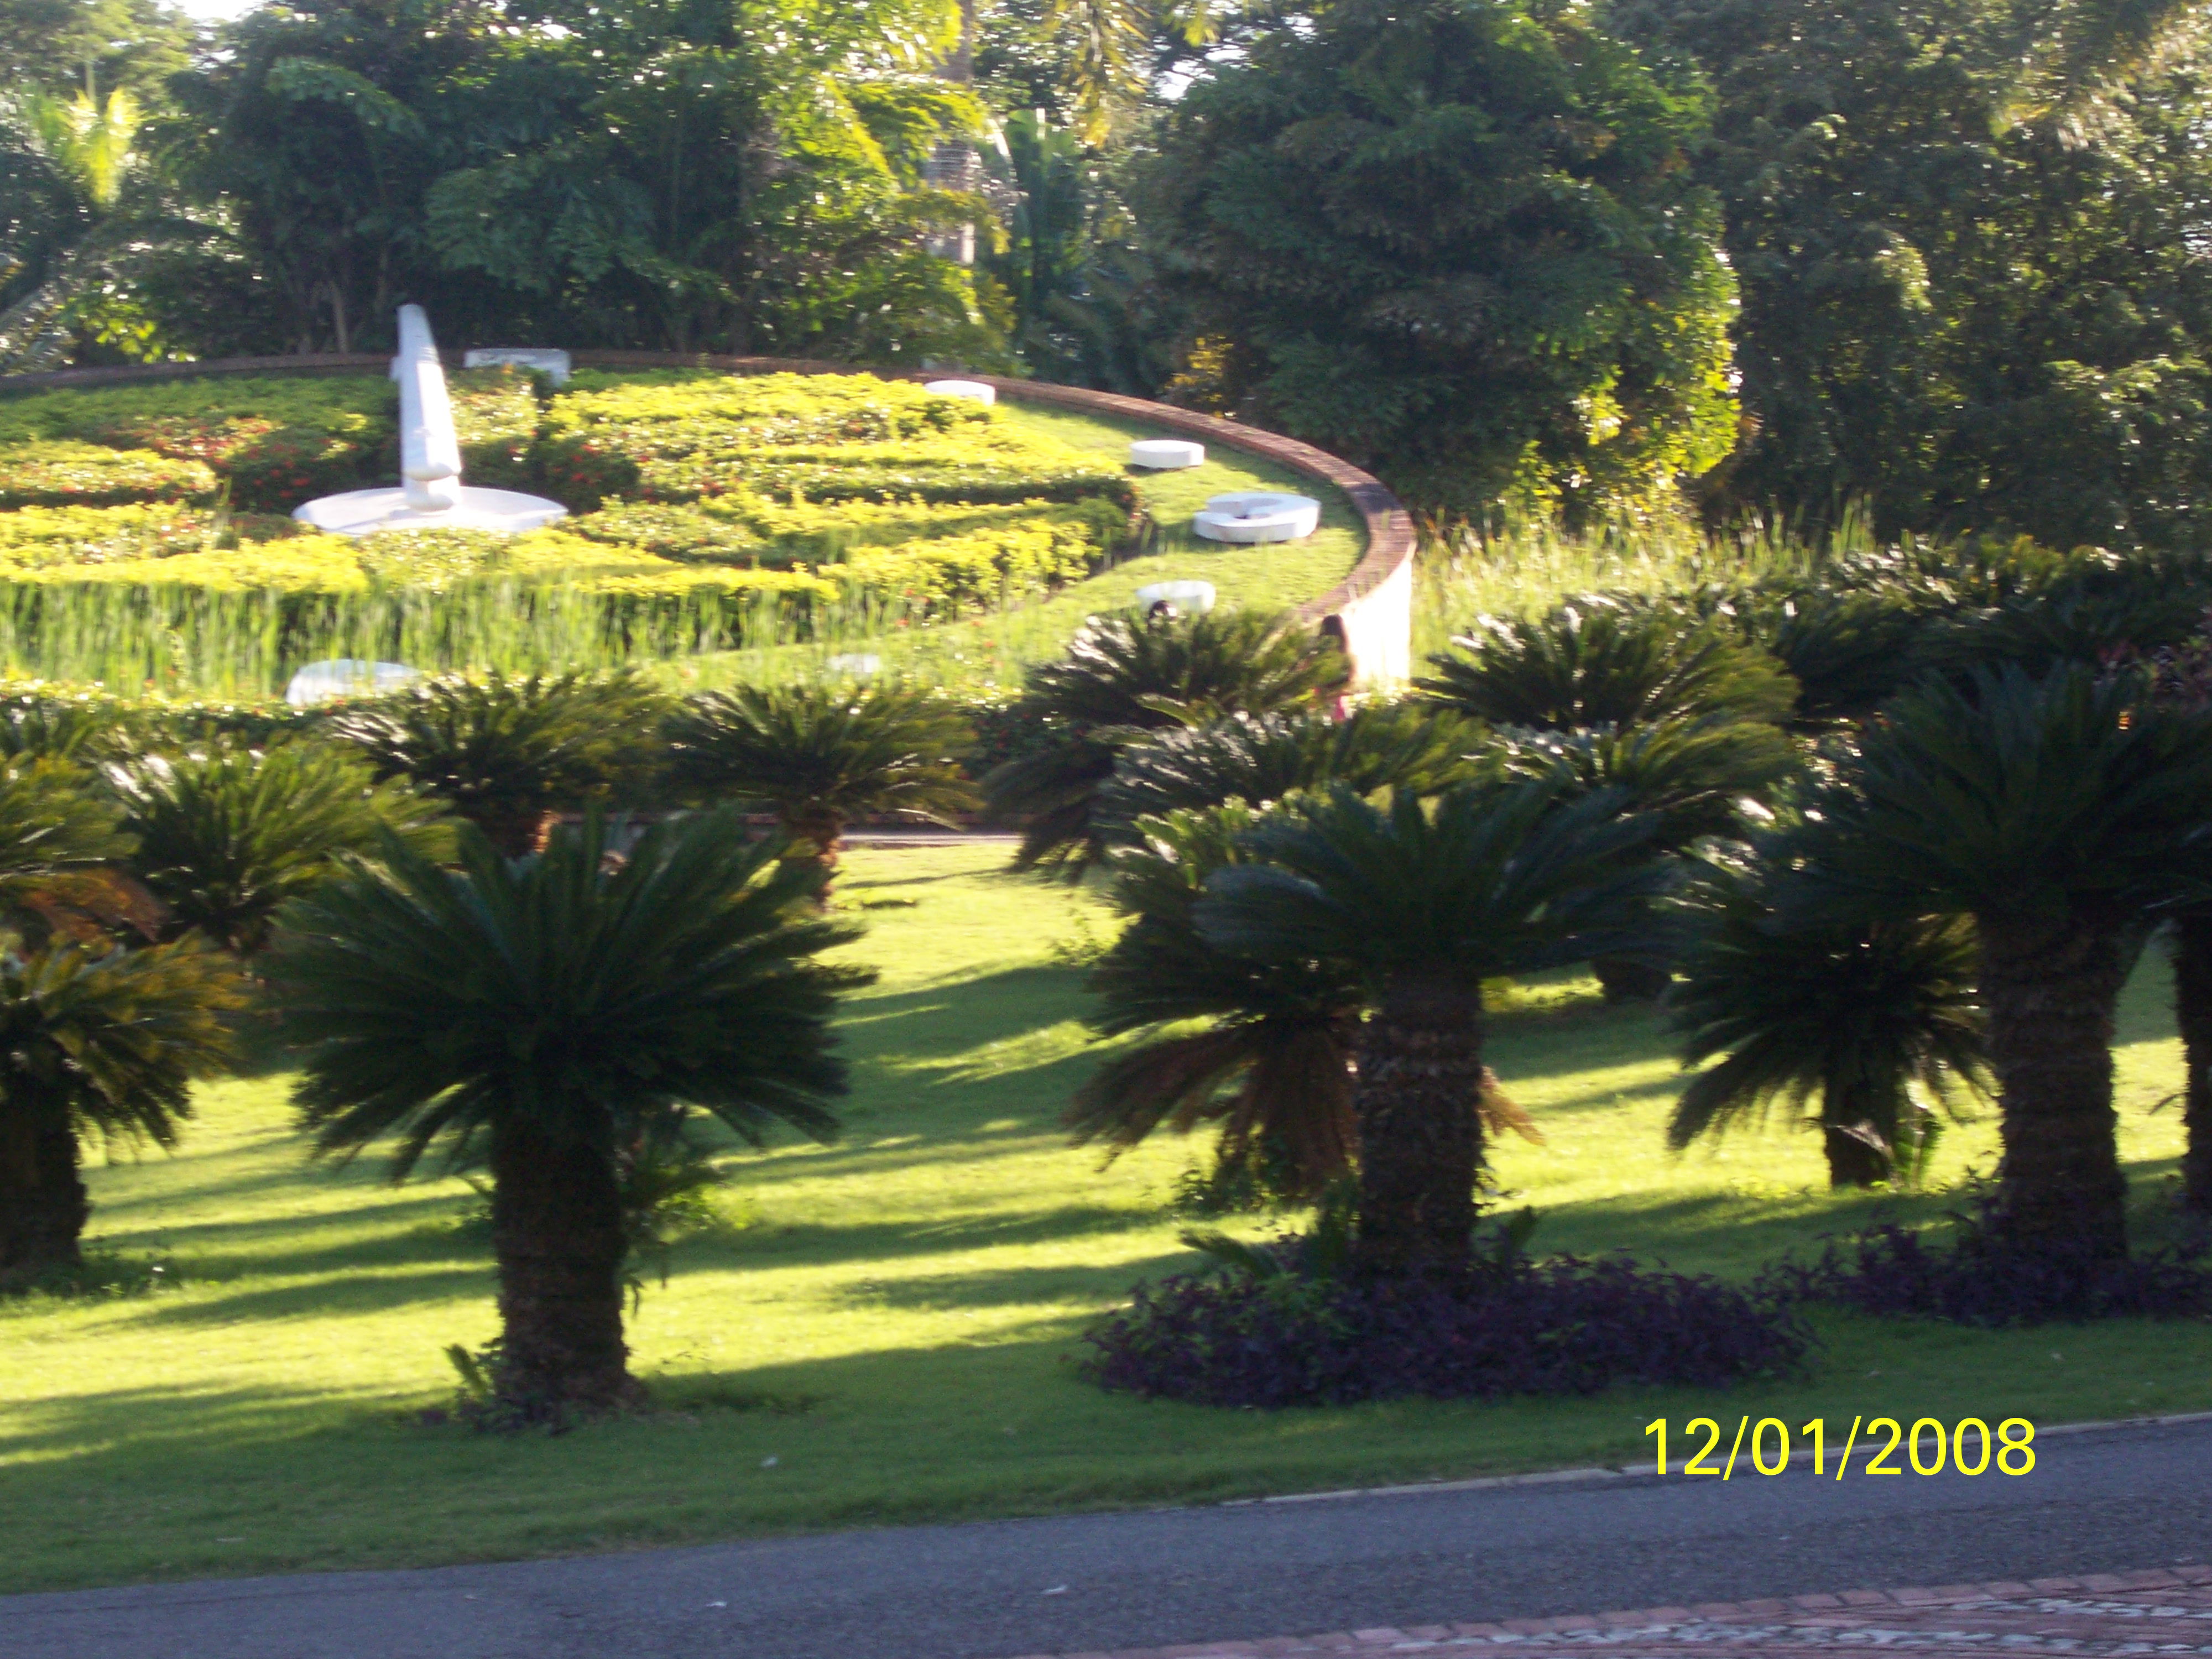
{"points": [[1257, 516], [1183, 596], [1166, 454]]}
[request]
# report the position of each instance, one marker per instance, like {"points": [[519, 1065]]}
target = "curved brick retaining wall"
{"points": [[1371, 610]]}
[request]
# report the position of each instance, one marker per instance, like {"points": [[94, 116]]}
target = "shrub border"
{"points": [[1370, 612]]}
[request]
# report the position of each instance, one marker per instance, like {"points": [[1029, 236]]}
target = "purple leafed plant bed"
{"points": [[1561, 1326], [1973, 1279]]}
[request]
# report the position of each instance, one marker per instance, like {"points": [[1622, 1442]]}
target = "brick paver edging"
{"points": [[2165, 1610], [1390, 537]]}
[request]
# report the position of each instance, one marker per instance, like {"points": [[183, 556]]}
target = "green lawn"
{"points": [[888, 1320], [989, 651]]}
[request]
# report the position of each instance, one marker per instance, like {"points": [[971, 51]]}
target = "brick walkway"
{"points": [[2168, 1610]]}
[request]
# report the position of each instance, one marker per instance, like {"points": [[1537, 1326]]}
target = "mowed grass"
{"points": [[882, 1332]]}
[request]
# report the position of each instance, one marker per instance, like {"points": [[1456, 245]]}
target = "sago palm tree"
{"points": [[61, 858], [1273, 1065], [1837, 1020], [1275, 1060], [544, 1012], [508, 752], [823, 756], [2051, 810], [1421, 902], [228, 836], [1698, 778], [1125, 675], [1258, 758], [98, 1041], [1600, 661]]}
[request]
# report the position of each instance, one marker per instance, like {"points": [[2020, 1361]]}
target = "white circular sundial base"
{"points": [[1260, 516], [1166, 454], [974, 390], [365, 511]]}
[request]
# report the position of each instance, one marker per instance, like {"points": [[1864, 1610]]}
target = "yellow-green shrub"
{"points": [[59, 471], [277, 441], [32, 537]]}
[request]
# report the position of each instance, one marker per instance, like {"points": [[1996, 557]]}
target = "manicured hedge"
{"points": [[710, 510], [57, 472]]}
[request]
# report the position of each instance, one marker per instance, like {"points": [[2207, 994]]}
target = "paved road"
{"points": [[2101, 1501]]}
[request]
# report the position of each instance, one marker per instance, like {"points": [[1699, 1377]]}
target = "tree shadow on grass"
{"points": [[980, 1011]]}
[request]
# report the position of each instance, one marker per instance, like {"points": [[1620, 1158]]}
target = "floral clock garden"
{"points": [[1295, 1097]]}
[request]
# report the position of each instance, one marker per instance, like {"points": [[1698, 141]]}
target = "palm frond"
{"points": [[228, 836], [1603, 662], [575, 994], [824, 754]]}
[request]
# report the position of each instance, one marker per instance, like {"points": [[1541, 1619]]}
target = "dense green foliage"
{"points": [[1458, 242], [1966, 234], [1124, 677], [504, 751]]}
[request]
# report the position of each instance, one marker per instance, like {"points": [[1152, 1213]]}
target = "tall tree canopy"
{"points": [[1457, 240], [685, 174], [1968, 234]]}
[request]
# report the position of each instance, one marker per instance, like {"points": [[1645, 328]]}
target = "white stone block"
{"points": [[346, 677], [556, 366], [1257, 516], [1166, 454], [858, 666], [976, 390]]}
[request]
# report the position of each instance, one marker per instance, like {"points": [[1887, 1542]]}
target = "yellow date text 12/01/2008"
{"points": [[1969, 1446]]}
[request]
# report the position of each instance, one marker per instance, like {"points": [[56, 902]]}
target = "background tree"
{"points": [[84, 213], [1458, 242], [1839, 1020], [1971, 298], [823, 756], [508, 752], [550, 1011], [687, 177], [1422, 902]]}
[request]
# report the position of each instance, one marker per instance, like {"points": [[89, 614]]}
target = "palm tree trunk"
{"points": [[1420, 1134], [816, 837], [2050, 986], [952, 164], [515, 835], [1848, 1104], [43, 1205], [1852, 1162], [1632, 979], [2192, 1013], [557, 1231]]}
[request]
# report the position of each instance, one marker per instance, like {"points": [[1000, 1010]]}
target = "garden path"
{"points": [[1401, 1567]]}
